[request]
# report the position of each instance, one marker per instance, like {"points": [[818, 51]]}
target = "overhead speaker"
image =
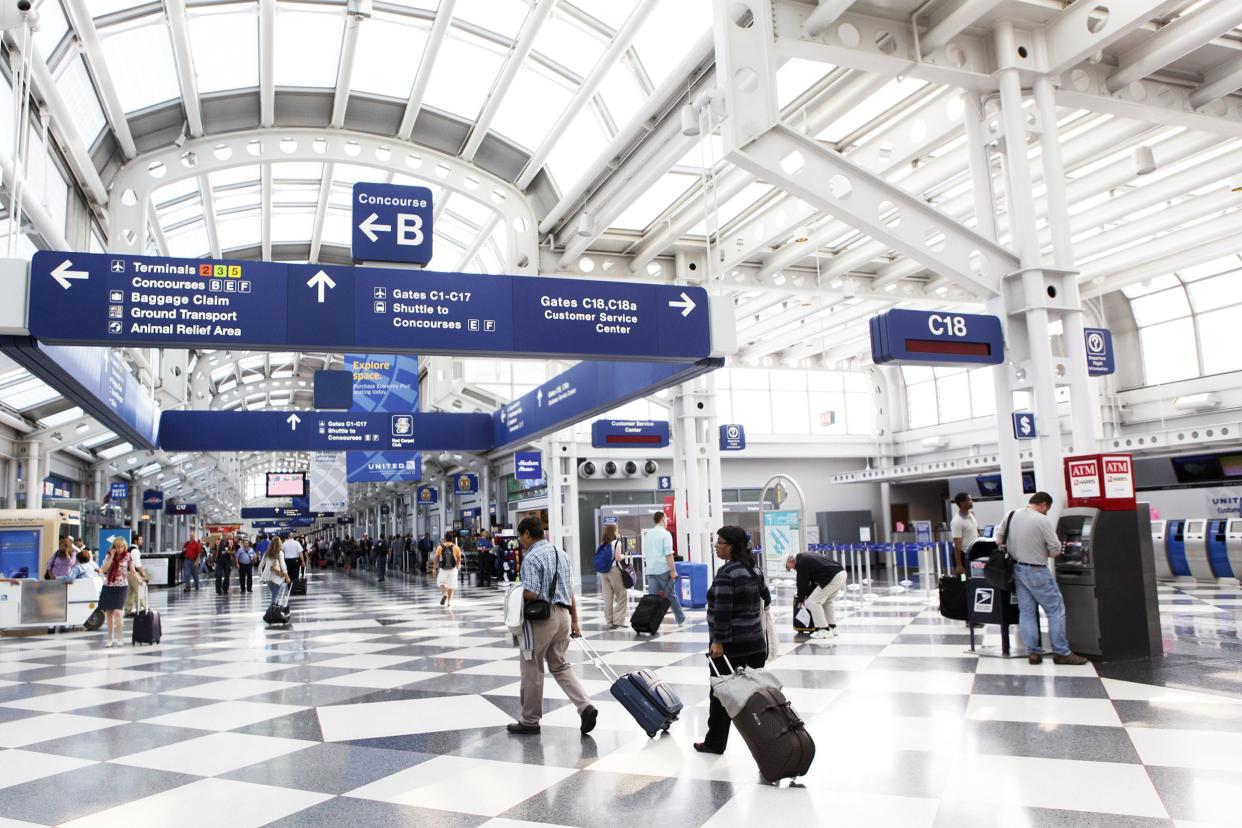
{"points": [[610, 468], [650, 467], [587, 469]]}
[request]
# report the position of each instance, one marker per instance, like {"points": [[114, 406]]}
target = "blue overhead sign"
{"points": [[153, 500], [279, 513], [392, 223], [383, 383], [289, 523], [465, 483], [1024, 425], [183, 508], [322, 431], [629, 433], [428, 494], [145, 301], [915, 337], [383, 466], [528, 465], [1099, 345], [118, 492], [732, 437], [664, 483]]}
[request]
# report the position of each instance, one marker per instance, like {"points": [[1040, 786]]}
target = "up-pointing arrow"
{"points": [[369, 226], [293, 420], [686, 304], [320, 280], [539, 397], [62, 274]]}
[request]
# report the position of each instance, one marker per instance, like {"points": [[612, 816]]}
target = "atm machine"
{"points": [[1195, 548], [1108, 580], [1160, 552], [1233, 546], [1217, 552], [1175, 546]]}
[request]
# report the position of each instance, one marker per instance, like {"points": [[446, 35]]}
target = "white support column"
{"points": [[561, 457], [34, 474], [696, 468]]}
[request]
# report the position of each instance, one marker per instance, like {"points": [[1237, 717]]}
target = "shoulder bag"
{"points": [[998, 571], [540, 609]]}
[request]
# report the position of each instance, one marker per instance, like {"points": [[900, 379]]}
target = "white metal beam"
{"points": [[321, 211], [88, 37], [586, 91], [1177, 39], [439, 30], [265, 211], [485, 233], [948, 20], [345, 69], [1088, 27], [825, 14], [267, 62], [209, 214], [521, 48], [1218, 82], [183, 55]]}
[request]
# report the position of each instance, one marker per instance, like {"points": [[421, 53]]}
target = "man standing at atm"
{"points": [[1031, 539]]}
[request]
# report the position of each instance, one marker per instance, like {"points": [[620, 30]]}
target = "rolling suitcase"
{"points": [[649, 614], [802, 620], [299, 586], [953, 597], [775, 734], [146, 627], [278, 613], [651, 702]]}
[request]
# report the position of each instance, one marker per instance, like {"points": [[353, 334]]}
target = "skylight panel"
{"points": [[612, 13], [148, 469], [653, 201], [1217, 292], [190, 243], [873, 107], [140, 61], [102, 8], [576, 148], [297, 171], [337, 228], [234, 175], [116, 451], [308, 46], [463, 75], [175, 190], [797, 76], [504, 18], [52, 27], [531, 105], [388, 57], [74, 85], [292, 226], [1216, 266], [238, 231], [732, 208], [190, 209], [99, 440], [662, 40], [28, 394], [61, 417], [621, 93], [225, 46], [567, 43]]}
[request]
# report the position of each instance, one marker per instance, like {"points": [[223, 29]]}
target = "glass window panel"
{"points": [[226, 50], [100, 8], [653, 201], [576, 148], [916, 373], [189, 244], [1151, 286], [377, 67], [872, 108], [1212, 268], [567, 43], [754, 411], [797, 76], [191, 208], [1169, 351], [74, 85], [239, 231], [61, 417], [531, 105], [790, 412], [788, 380], [298, 171], [663, 38], [824, 380], [350, 174], [857, 382], [611, 13], [921, 404], [141, 63], [827, 412], [734, 207], [464, 73], [234, 175], [175, 190], [859, 414], [953, 396], [308, 47], [1218, 340], [1217, 292], [621, 93], [750, 379], [475, 212], [1160, 307], [52, 27], [982, 392], [503, 18]]}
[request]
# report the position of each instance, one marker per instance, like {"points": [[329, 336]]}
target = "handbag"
{"points": [[998, 571], [769, 632], [539, 609], [735, 688]]}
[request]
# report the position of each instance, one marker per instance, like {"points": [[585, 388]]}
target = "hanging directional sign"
{"points": [[914, 337], [1024, 425], [1099, 344], [428, 494], [392, 223], [466, 483], [732, 437], [322, 431], [118, 492], [144, 301], [528, 465], [153, 500], [183, 508]]}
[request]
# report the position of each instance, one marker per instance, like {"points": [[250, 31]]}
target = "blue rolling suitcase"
{"points": [[651, 702]]}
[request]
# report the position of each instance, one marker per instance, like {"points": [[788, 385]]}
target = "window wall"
{"points": [[947, 395]]}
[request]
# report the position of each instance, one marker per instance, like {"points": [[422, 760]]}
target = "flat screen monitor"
{"points": [[1203, 468], [1194, 527], [286, 484], [1230, 464]]}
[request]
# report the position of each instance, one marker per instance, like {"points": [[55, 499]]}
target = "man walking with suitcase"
{"points": [[547, 576], [659, 567]]}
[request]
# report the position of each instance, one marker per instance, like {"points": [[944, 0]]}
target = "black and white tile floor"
{"points": [[378, 707]]}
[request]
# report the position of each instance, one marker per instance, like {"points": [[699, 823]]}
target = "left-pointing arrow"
{"points": [[293, 420], [63, 274]]}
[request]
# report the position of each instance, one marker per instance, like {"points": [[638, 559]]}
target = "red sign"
{"points": [[1102, 481], [670, 518]]}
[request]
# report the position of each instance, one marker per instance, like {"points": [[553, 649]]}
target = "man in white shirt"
{"points": [[659, 565], [295, 557], [137, 576], [965, 530]]}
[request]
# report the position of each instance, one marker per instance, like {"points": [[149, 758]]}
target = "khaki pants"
{"points": [[551, 642], [131, 598], [820, 601], [615, 600]]}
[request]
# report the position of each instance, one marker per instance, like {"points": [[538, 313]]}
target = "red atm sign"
{"points": [[1102, 481], [914, 337]]}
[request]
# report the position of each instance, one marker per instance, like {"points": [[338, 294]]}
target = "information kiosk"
{"points": [[1160, 552], [1195, 550]]}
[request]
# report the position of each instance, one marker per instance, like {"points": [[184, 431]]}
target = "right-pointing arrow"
{"points": [[686, 304], [62, 274], [319, 281]]}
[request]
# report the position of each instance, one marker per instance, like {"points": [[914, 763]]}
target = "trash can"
{"points": [[692, 584]]}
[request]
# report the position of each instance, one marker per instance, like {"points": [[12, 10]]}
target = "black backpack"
{"points": [[447, 559]]}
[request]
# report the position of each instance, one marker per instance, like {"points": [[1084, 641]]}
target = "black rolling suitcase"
{"points": [[776, 735], [651, 702], [649, 614], [146, 627], [299, 586], [802, 619], [278, 613], [953, 597]]}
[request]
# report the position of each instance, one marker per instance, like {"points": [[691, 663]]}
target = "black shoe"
{"points": [[589, 717], [1034, 658], [1069, 658], [523, 729], [703, 747], [443, 598]]}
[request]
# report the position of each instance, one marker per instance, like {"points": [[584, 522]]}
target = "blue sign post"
{"points": [[1024, 425], [1100, 358], [732, 437], [914, 337], [528, 465], [392, 223]]}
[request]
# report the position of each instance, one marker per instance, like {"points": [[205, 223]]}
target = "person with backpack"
{"points": [[447, 565], [609, 559]]}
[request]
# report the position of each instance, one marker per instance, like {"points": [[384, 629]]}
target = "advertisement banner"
{"points": [[465, 483], [1225, 502], [428, 495], [780, 539], [384, 383], [528, 465], [329, 488]]}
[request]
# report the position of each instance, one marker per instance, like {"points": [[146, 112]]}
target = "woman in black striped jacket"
{"points": [[735, 604]]}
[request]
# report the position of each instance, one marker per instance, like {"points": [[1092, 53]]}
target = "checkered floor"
{"points": [[379, 707]]}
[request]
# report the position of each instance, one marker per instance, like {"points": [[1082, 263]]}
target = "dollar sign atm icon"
{"points": [[1024, 425]]}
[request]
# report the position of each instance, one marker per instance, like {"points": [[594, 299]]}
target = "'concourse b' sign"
{"points": [[392, 223]]}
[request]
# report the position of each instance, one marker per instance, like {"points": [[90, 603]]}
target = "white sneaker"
{"points": [[821, 634], [108, 643], [119, 643]]}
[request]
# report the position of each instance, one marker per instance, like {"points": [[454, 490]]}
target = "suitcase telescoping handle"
{"points": [[597, 659], [712, 662]]}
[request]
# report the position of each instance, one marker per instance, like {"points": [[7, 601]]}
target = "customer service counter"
{"points": [[163, 568]]}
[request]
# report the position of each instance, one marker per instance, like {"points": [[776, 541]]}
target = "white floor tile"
{"points": [[612, 717], [495, 787], [247, 805], [1065, 784], [346, 637], [868, 639], [624, 659], [18, 766], [214, 754], [34, 729], [347, 722], [1202, 749], [12, 668], [500, 822], [72, 700], [98, 678], [1021, 667], [827, 661], [927, 651], [1046, 710], [552, 690], [943, 682], [224, 715], [231, 689], [1135, 691], [379, 679], [767, 805], [237, 669], [367, 662], [355, 648], [482, 653], [673, 755], [512, 668]]}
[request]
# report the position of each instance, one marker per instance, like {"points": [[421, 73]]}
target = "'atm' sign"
{"points": [[1084, 478], [1102, 481]]}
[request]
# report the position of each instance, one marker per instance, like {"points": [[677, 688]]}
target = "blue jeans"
{"points": [[274, 588], [189, 572], [1036, 585], [664, 583]]}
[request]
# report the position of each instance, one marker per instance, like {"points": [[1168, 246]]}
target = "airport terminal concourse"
{"points": [[583, 413]]}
